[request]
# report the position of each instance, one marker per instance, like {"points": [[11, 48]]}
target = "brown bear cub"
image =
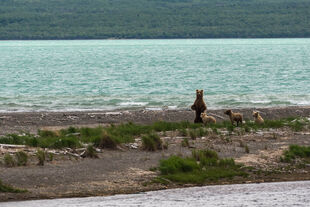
{"points": [[234, 117], [257, 118], [199, 106], [207, 119]]}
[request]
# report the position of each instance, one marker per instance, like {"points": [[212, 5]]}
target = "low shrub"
{"points": [[228, 162], [46, 133], [185, 142], [91, 152], [62, 142], [176, 164], [21, 158], [200, 154], [193, 133], [295, 151], [203, 165], [152, 142], [41, 157], [183, 132], [204, 162], [105, 141], [9, 160]]}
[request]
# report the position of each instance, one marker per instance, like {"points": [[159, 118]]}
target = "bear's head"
{"points": [[199, 93], [255, 114], [203, 114], [228, 112]]}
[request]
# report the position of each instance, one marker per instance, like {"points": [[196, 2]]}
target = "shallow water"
{"points": [[264, 194], [155, 74]]}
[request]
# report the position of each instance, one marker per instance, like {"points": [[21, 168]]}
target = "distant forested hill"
{"points": [[97, 19]]}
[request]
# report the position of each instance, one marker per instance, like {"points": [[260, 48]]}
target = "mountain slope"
{"points": [[94, 19]]}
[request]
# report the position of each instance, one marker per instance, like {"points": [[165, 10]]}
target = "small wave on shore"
{"points": [[79, 103]]}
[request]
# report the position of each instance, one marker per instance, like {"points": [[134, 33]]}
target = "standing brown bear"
{"points": [[199, 106]]}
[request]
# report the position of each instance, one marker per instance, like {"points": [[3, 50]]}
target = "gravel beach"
{"points": [[126, 170]]}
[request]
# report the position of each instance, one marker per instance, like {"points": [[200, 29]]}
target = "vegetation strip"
{"points": [[202, 166], [110, 137], [296, 151], [9, 189]]}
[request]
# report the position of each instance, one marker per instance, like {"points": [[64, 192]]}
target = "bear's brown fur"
{"points": [[257, 118], [199, 106], [234, 117], [207, 119]]}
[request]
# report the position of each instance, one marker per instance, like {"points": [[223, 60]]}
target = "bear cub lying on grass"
{"points": [[257, 118]]}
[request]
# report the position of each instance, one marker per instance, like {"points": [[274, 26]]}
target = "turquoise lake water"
{"points": [[153, 74]]}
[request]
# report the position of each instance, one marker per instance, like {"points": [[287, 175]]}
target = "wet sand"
{"points": [[126, 170]]}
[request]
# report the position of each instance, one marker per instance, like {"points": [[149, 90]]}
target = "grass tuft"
{"points": [[21, 158], [151, 142], [105, 141], [9, 189], [9, 160], [193, 133], [176, 164], [185, 143], [295, 151], [190, 170], [41, 157], [91, 152], [199, 154]]}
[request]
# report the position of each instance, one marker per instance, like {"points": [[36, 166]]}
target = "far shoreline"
{"points": [[173, 38]]}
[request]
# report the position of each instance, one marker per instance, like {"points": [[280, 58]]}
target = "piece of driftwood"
{"points": [[12, 146], [218, 116], [72, 154]]}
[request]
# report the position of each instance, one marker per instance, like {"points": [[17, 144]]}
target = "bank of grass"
{"points": [[9, 189], [202, 166], [124, 133], [295, 123], [152, 142], [296, 151], [100, 136]]}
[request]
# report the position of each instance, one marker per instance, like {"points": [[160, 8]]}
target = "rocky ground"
{"points": [[127, 169]]}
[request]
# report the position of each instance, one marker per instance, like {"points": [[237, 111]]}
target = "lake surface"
{"points": [[153, 74], [264, 194]]}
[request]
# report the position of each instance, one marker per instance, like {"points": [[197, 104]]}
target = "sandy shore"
{"points": [[126, 170]]}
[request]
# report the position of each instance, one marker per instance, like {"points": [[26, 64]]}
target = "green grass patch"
{"points": [[90, 152], [175, 164], [200, 154], [124, 133], [152, 142], [295, 151], [41, 157], [185, 143], [296, 124], [105, 141], [21, 158], [9, 189], [9, 160], [202, 166]]}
